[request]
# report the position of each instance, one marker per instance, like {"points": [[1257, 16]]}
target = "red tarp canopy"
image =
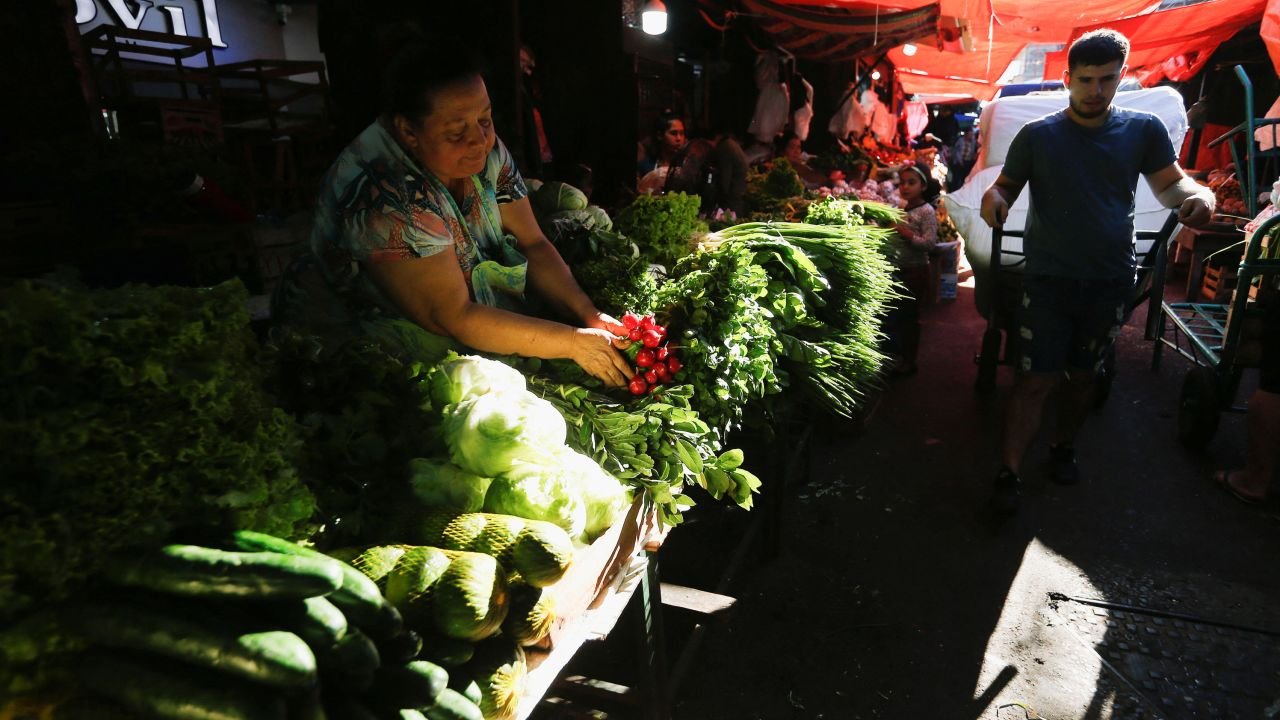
{"points": [[1172, 43]]}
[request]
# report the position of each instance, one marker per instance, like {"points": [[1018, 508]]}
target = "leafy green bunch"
{"points": [[127, 413], [657, 442], [663, 226], [844, 212], [717, 299]]}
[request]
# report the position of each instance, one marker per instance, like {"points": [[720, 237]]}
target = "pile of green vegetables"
{"points": [[127, 413], [663, 226]]}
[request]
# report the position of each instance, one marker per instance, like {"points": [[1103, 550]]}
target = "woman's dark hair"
{"points": [[1098, 47], [419, 68], [663, 121]]}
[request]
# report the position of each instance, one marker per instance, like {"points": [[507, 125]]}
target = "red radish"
{"points": [[661, 353], [646, 322], [674, 364], [661, 330], [651, 377], [645, 358], [661, 371], [630, 320], [650, 338], [637, 386], [635, 333]]}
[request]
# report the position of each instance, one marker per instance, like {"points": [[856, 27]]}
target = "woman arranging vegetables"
{"points": [[412, 223]]}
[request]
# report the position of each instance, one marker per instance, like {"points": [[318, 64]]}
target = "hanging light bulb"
{"points": [[909, 49], [654, 18], [875, 74]]}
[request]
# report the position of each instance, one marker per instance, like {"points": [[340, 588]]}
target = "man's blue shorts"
{"points": [[1068, 324]]}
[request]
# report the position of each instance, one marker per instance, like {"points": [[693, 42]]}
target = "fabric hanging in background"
{"points": [[882, 122], [849, 118], [917, 116], [773, 105], [802, 115]]}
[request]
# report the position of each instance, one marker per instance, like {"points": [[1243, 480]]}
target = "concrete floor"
{"points": [[896, 594]]}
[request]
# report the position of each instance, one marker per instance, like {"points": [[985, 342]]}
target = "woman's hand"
{"points": [[905, 231], [606, 322], [592, 348]]}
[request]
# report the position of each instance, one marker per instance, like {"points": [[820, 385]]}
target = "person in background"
{"points": [[918, 232], [1082, 164], [661, 153], [412, 223], [537, 154], [793, 151]]}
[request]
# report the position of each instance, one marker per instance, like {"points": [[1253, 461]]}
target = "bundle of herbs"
{"points": [[126, 414], [665, 227]]}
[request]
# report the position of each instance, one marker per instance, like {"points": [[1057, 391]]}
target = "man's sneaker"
{"points": [[1062, 465], [1008, 492]]}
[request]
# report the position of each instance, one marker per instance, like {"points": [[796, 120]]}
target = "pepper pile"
{"points": [[655, 359]]}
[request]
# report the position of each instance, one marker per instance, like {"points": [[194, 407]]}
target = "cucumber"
{"points": [[205, 572], [446, 651], [402, 648], [412, 685], [350, 663], [453, 705], [339, 705], [275, 658], [471, 691], [162, 690], [358, 597], [316, 620]]}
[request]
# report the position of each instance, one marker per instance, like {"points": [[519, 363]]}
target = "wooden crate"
{"points": [[598, 568]]}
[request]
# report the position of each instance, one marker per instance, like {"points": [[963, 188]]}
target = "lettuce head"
{"points": [[462, 377], [441, 484], [604, 496], [488, 434], [538, 492]]}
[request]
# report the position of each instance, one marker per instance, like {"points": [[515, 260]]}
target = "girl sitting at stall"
{"points": [[918, 234]]}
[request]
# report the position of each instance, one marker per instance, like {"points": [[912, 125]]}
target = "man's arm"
{"points": [[1174, 189], [998, 198]]}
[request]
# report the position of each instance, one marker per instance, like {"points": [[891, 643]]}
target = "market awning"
{"points": [[1173, 43]]}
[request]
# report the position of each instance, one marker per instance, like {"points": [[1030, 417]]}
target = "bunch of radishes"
{"points": [[655, 359]]}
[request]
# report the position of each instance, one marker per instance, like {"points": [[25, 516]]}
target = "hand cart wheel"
{"points": [[1198, 407]]}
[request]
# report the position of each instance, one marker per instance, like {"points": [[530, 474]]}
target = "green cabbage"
{"points": [[538, 491], [441, 484], [604, 496], [459, 378], [487, 435]]}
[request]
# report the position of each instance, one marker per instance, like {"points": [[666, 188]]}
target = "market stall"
{"points": [[283, 522]]}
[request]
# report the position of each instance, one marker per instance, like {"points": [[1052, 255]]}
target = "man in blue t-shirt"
{"points": [[1082, 164]]}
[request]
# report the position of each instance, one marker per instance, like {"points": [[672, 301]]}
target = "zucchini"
{"points": [[351, 662], [453, 705], [205, 572], [275, 658], [162, 690], [358, 597], [412, 685]]}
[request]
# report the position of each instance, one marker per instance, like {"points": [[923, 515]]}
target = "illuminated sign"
{"points": [[132, 15]]}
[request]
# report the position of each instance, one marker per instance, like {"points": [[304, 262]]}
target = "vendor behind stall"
{"points": [[424, 217]]}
